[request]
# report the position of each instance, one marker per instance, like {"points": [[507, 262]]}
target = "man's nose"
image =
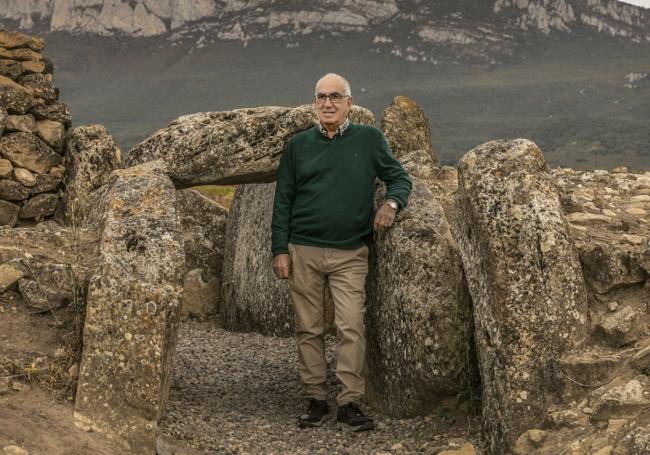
{"points": [[328, 101]]}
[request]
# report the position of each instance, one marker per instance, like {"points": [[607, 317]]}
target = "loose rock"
{"points": [[39, 206]]}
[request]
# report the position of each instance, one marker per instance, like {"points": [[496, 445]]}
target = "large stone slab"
{"points": [[253, 298], [28, 151], [204, 231], [526, 283], [418, 316], [406, 128], [132, 309], [238, 146], [91, 155]]}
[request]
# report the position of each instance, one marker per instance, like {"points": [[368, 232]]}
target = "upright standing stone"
{"points": [[418, 316], [91, 155], [253, 298], [133, 307], [406, 128], [526, 283]]}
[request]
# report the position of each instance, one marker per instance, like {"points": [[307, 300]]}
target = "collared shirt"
{"points": [[339, 131]]}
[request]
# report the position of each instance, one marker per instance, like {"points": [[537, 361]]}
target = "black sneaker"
{"points": [[316, 414], [350, 417]]}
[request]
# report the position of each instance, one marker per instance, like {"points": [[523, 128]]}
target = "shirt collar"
{"points": [[339, 131]]}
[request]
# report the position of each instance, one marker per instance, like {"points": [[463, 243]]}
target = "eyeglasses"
{"points": [[335, 98]]}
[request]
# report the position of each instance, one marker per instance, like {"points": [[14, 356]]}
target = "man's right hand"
{"points": [[282, 266]]}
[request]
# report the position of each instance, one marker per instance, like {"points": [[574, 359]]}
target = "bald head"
{"points": [[330, 78]]}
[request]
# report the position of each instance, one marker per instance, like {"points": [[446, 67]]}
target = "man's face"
{"points": [[329, 113]]}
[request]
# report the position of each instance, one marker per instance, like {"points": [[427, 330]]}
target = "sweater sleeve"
{"points": [[391, 172], [282, 203]]}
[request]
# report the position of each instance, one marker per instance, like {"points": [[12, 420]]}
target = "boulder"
{"points": [[44, 183], [636, 442], [40, 86], [24, 123], [529, 442], [28, 151], [39, 206], [91, 155], [10, 273], [48, 288], [527, 288], [15, 98], [57, 171], [406, 128], [56, 111], [3, 119], [624, 400], [204, 230], [607, 268], [238, 146], [6, 169], [24, 177], [51, 132], [8, 213], [418, 311], [132, 309], [11, 190], [623, 327]]}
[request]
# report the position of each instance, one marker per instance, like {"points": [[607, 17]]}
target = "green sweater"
{"points": [[325, 188]]}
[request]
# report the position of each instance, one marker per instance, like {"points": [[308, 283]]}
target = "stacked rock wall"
{"points": [[33, 126]]}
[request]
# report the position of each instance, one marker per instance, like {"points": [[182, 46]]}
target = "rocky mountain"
{"points": [[413, 29]]}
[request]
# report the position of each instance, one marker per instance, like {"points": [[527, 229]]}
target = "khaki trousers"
{"points": [[346, 272]]}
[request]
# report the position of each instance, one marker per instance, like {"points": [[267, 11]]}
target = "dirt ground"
{"points": [[231, 393]]}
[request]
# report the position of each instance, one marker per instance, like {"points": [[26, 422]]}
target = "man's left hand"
{"points": [[384, 217]]}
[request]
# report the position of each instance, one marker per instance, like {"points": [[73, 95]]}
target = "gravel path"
{"points": [[238, 393]]}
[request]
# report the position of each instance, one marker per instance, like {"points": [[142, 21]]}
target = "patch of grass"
{"points": [[221, 194]]}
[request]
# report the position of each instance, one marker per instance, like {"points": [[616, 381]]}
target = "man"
{"points": [[322, 223]]}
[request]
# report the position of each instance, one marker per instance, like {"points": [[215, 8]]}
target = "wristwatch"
{"points": [[392, 203]]}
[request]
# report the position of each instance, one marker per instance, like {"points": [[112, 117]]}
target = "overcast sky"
{"points": [[645, 3]]}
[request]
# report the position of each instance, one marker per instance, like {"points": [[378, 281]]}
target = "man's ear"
{"points": [[349, 101]]}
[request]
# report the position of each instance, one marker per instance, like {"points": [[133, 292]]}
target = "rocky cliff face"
{"points": [[410, 29]]}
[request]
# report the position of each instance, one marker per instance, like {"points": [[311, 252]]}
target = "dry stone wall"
{"points": [[33, 126]]}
